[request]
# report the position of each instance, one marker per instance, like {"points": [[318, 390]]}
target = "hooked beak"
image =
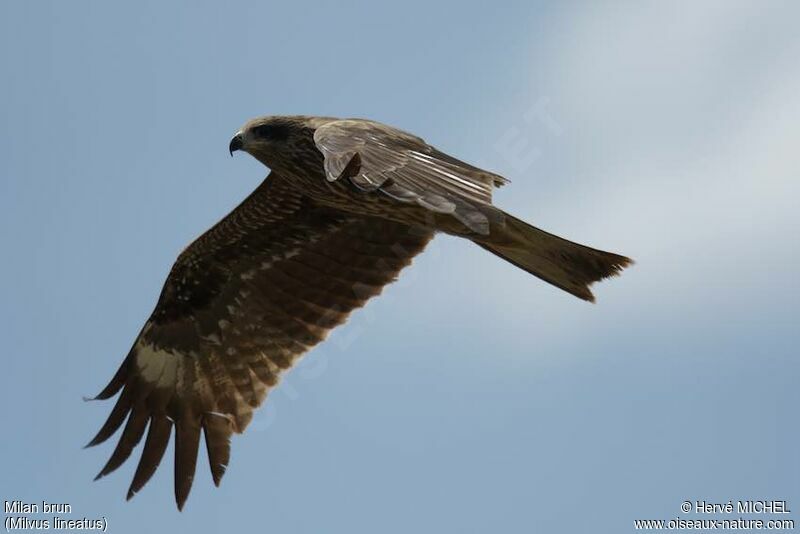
{"points": [[236, 143]]}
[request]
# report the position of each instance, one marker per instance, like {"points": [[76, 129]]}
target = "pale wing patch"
{"points": [[407, 169], [157, 367]]}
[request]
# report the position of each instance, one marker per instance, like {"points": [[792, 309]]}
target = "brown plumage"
{"points": [[347, 205]]}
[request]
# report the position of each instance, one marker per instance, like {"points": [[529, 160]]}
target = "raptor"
{"points": [[348, 203]]}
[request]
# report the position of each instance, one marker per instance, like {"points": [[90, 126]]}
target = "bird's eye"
{"points": [[272, 132]]}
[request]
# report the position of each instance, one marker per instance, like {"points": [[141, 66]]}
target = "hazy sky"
{"points": [[471, 397]]}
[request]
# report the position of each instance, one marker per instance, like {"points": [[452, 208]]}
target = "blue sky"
{"points": [[470, 397]]}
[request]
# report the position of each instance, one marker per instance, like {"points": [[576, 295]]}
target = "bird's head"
{"points": [[273, 140]]}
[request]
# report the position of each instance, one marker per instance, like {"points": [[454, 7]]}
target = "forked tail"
{"points": [[567, 265]]}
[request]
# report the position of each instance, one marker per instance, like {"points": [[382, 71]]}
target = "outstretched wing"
{"points": [[381, 158], [241, 303]]}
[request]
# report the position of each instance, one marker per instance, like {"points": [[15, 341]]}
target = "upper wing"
{"points": [[378, 157], [241, 303]]}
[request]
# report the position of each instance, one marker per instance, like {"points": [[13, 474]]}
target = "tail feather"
{"points": [[566, 265]]}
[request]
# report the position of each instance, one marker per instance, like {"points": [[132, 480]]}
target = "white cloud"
{"points": [[684, 124]]}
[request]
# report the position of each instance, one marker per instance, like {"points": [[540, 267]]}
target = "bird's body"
{"points": [[347, 205]]}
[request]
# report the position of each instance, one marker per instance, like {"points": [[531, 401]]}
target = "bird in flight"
{"points": [[348, 203]]}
